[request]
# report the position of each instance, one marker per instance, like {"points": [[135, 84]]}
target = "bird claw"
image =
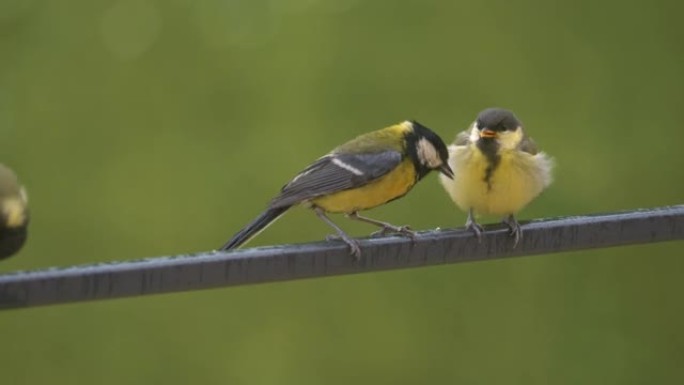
{"points": [[354, 248], [515, 229], [516, 233], [475, 228], [401, 230]]}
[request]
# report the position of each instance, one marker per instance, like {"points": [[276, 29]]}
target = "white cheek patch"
{"points": [[427, 154], [509, 140], [347, 166], [474, 133]]}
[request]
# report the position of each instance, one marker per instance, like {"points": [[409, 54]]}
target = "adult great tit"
{"points": [[497, 170], [14, 216], [366, 172]]}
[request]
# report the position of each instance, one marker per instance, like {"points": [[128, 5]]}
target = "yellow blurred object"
{"points": [[14, 217]]}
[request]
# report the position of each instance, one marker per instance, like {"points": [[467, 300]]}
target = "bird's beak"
{"points": [[487, 133], [446, 170]]}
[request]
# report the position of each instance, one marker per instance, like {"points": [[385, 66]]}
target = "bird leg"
{"points": [[472, 225], [386, 227], [514, 226], [354, 248]]}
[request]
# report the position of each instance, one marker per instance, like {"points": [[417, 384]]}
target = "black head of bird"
{"points": [[428, 151], [497, 129]]}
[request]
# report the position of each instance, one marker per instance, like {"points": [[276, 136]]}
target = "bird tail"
{"points": [[255, 227]]}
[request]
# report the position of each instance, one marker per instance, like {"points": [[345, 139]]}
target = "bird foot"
{"points": [[476, 228], [354, 248], [515, 229], [389, 229]]}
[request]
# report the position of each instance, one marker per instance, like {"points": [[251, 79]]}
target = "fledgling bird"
{"points": [[365, 172], [498, 170], [14, 215]]}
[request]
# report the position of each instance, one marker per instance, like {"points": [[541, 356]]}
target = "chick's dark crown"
{"points": [[497, 119]]}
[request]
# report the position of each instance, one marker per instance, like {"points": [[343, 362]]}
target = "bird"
{"points": [[14, 216], [365, 172], [498, 170]]}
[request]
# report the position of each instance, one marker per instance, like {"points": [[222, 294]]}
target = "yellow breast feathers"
{"points": [[517, 179], [393, 185]]}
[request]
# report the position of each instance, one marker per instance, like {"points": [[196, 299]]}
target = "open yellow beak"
{"points": [[487, 133]]}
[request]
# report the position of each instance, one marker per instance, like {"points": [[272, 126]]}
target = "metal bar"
{"points": [[288, 262]]}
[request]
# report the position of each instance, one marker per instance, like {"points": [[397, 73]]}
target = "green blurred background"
{"points": [[145, 128]]}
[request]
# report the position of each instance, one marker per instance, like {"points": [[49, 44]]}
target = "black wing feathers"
{"points": [[336, 172], [252, 229]]}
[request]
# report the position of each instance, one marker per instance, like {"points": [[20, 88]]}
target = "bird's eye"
{"points": [[478, 125]]}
